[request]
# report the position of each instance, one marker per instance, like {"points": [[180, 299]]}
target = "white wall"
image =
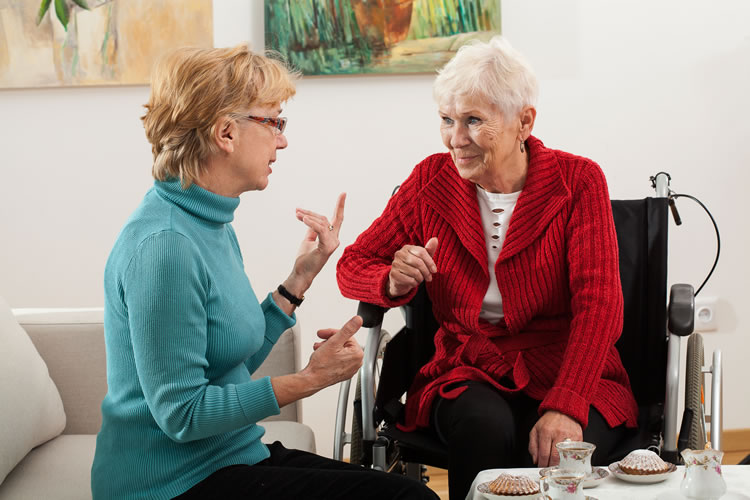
{"points": [[640, 86]]}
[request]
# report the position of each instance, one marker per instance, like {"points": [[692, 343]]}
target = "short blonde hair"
{"points": [[492, 70], [191, 88]]}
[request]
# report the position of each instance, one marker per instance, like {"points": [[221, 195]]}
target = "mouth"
{"points": [[463, 160]]}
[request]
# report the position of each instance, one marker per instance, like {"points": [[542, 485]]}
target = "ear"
{"points": [[225, 134], [526, 119]]}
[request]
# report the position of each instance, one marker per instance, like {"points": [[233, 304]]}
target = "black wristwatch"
{"points": [[297, 301]]}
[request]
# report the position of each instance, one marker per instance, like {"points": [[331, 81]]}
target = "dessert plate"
{"points": [[592, 480], [484, 489], [640, 478]]}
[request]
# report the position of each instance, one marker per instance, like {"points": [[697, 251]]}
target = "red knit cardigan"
{"points": [[557, 273]]}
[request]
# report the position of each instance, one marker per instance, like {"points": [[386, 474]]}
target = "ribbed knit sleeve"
{"points": [[165, 288], [277, 322], [362, 270], [596, 297]]}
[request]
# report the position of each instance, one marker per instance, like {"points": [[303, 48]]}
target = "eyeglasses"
{"points": [[277, 123]]}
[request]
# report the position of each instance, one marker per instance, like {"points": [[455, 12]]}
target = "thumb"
{"points": [[431, 246], [347, 331]]}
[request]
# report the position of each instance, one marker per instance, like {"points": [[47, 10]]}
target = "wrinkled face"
{"points": [[257, 147], [477, 136]]}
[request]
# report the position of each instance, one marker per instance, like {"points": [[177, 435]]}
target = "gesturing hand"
{"points": [[411, 265], [321, 240], [337, 357], [552, 428]]}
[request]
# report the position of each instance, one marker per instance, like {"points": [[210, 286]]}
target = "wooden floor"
{"points": [[438, 481]]}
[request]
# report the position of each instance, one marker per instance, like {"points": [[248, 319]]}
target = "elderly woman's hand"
{"points": [[552, 428], [411, 265]]}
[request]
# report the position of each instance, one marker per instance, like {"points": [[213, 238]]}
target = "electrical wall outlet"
{"points": [[706, 314]]}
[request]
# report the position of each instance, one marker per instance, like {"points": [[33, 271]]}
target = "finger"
{"points": [[346, 332], [405, 275], [533, 445], [543, 450], [554, 456], [318, 224], [431, 246], [306, 216], [338, 213], [326, 333], [423, 254], [316, 345], [416, 259]]}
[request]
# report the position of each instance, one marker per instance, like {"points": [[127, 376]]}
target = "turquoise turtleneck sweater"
{"points": [[184, 331]]}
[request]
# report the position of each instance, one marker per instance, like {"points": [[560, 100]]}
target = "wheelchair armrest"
{"points": [[681, 309], [371, 314]]}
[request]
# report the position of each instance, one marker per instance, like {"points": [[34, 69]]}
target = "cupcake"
{"points": [[510, 485], [642, 463]]}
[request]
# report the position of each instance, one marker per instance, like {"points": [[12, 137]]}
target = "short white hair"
{"points": [[491, 70]]}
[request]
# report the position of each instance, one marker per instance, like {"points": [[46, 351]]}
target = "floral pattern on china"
{"points": [[703, 479]]}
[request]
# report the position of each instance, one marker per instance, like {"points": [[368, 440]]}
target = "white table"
{"points": [[737, 478]]}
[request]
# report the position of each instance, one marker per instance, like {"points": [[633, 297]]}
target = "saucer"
{"points": [[592, 480], [483, 488], [640, 478]]}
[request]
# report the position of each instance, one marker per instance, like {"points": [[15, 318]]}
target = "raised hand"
{"points": [[411, 265], [321, 240]]}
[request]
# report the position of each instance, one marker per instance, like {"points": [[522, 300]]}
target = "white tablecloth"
{"points": [[737, 478]]}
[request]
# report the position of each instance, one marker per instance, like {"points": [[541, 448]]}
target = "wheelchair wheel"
{"points": [[356, 450], [694, 391]]}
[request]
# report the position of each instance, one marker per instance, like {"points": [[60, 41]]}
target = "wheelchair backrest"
{"points": [[642, 230]]}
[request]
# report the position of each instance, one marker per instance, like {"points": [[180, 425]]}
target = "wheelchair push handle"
{"points": [[371, 314]]}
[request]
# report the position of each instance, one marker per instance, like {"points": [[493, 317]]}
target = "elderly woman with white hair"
{"points": [[517, 248], [183, 326]]}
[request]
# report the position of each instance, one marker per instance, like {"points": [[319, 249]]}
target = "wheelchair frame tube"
{"points": [[672, 396], [368, 383], [717, 397], [339, 434]]}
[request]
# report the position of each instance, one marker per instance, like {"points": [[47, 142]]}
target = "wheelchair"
{"points": [[652, 333]]}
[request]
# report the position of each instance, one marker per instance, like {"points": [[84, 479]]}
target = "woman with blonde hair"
{"points": [[516, 245], [184, 330]]}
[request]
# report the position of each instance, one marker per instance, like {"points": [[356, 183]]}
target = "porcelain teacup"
{"points": [[562, 484], [576, 455]]}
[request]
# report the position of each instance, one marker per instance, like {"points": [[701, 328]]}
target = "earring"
{"points": [[522, 148]]}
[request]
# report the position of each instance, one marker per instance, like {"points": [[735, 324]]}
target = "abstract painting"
{"points": [[49, 43], [322, 37]]}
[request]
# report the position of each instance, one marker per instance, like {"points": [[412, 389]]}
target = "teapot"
{"points": [[703, 479]]}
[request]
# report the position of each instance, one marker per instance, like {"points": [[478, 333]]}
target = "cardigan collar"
{"points": [[543, 195]]}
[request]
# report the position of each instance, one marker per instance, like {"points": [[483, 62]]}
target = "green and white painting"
{"points": [[325, 37]]}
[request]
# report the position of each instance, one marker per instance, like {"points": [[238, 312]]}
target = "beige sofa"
{"points": [[71, 343]]}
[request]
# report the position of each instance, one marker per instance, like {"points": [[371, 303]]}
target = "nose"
{"points": [[281, 142], [459, 136]]}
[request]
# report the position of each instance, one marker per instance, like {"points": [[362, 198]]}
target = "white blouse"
{"points": [[496, 210]]}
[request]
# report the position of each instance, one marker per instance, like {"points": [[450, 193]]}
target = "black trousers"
{"points": [[295, 474], [485, 429]]}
